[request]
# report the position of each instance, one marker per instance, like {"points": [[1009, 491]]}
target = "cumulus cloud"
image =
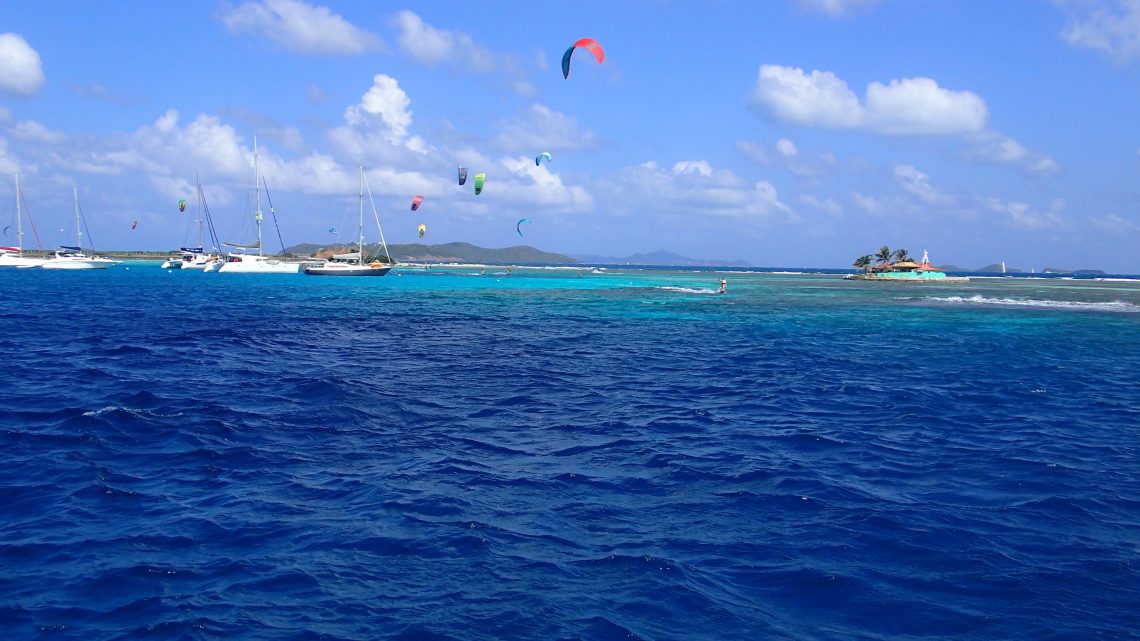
{"points": [[1110, 27], [21, 73], [911, 106], [835, 8], [786, 148], [386, 103], [300, 27], [540, 127]]}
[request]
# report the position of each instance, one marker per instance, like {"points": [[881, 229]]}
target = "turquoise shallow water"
{"points": [[562, 454]]}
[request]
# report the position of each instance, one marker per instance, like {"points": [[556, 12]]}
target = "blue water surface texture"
{"points": [[567, 454]]}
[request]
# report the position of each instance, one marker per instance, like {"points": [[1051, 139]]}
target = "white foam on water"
{"points": [[687, 290], [978, 299]]}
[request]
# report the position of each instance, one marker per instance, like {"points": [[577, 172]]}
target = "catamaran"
{"points": [[73, 257], [355, 263], [14, 256]]}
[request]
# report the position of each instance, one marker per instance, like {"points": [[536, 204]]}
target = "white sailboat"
{"points": [[356, 263], [196, 257], [14, 256], [73, 257], [238, 262]]}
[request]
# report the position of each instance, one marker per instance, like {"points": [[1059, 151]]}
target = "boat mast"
{"points": [[360, 224], [256, 196], [198, 183], [78, 226], [19, 228]]}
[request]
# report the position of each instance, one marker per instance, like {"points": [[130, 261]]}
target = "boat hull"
{"points": [[259, 265], [348, 270]]}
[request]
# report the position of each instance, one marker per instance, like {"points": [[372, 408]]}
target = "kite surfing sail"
{"points": [[134, 224], [479, 178], [182, 205], [416, 202], [462, 174], [590, 45], [546, 155], [518, 224], [421, 230]]}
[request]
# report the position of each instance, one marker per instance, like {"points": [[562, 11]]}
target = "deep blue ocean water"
{"points": [[560, 454]]}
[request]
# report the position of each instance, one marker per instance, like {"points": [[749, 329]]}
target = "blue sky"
{"points": [[793, 133]]}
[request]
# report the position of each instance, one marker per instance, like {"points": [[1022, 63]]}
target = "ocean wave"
{"points": [[1094, 306]]}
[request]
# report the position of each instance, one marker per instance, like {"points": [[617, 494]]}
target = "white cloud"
{"points": [[1023, 216], [300, 27], [993, 147], [918, 184], [21, 73], [911, 106], [433, 46], [34, 132], [918, 106], [873, 205], [385, 102], [1110, 27], [756, 151], [802, 165], [835, 8], [459, 51], [700, 167], [1115, 224], [544, 129], [818, 99], [535, 185], [827, 205], [693, 188]]}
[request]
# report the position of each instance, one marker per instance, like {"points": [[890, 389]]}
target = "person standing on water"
{"points": [[723, 286]]}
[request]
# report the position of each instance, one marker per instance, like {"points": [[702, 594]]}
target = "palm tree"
{"points": [[863, 262], [884, 255], [901, 255]]}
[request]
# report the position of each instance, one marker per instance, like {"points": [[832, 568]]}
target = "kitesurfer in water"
{"points": [[723, 286]]}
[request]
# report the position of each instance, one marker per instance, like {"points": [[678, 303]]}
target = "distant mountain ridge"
{"points": [[447, 253], [660, 257]]}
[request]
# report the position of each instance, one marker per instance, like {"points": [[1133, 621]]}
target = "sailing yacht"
{"points": [[196, 257], [14, 256], [355, 263], [73, 257], [237, 262]]}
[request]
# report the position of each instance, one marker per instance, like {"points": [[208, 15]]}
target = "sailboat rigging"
{"points": [[355, 263], [14, 256]]}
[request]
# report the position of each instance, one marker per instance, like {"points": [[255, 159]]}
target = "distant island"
{"points": [[661, 257], [446, 253], [996, 268], [517, 255]]}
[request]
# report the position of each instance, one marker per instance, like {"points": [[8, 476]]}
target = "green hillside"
{"points": [[452, 253]]}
